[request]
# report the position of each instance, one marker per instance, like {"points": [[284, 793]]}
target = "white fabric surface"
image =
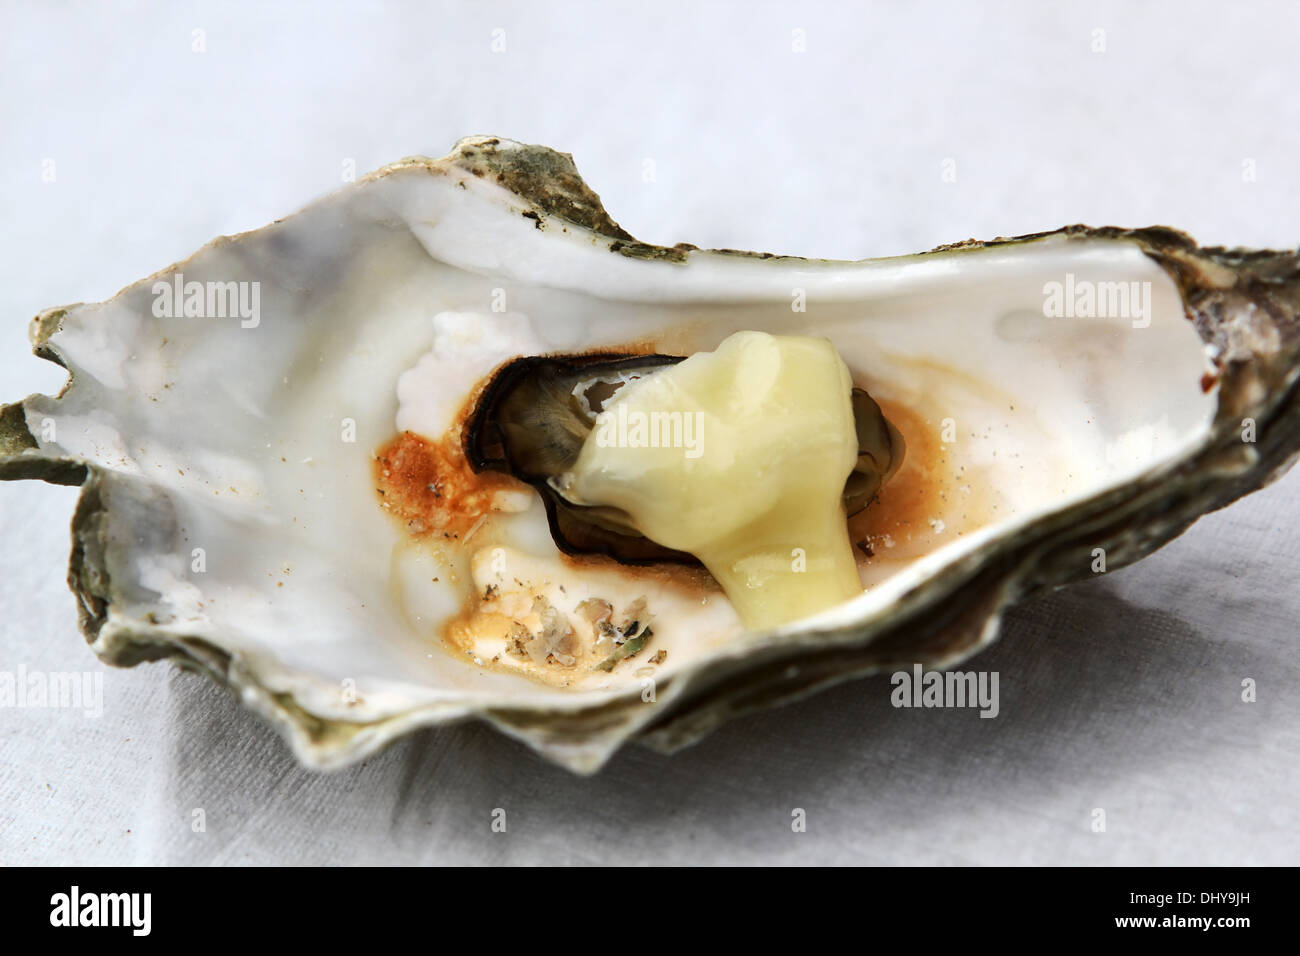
{"points": [[1121, 694]]}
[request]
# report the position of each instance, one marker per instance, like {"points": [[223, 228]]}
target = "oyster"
{"points": [[623, 470], [234, 419]]}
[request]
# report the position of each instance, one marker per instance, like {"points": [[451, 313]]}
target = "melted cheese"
{"points": [[738, 456]]}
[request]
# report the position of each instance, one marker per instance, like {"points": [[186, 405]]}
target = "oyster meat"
{"points": [[353, 465]]}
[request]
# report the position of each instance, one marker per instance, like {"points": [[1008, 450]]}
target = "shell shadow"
{"points": [[1090, 685]]}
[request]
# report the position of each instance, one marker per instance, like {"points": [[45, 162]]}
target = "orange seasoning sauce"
{"points": [[431, 488]]}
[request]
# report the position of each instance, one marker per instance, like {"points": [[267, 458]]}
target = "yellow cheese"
{"points": [[738, 456]]}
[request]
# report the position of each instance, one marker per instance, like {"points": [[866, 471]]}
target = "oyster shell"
{"points": [[228, 521]]}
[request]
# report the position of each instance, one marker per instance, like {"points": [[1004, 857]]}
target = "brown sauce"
{"points": [[431, 488], [928, 503]]}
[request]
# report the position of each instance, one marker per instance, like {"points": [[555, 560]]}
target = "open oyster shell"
{"points": [[227, 522]]}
